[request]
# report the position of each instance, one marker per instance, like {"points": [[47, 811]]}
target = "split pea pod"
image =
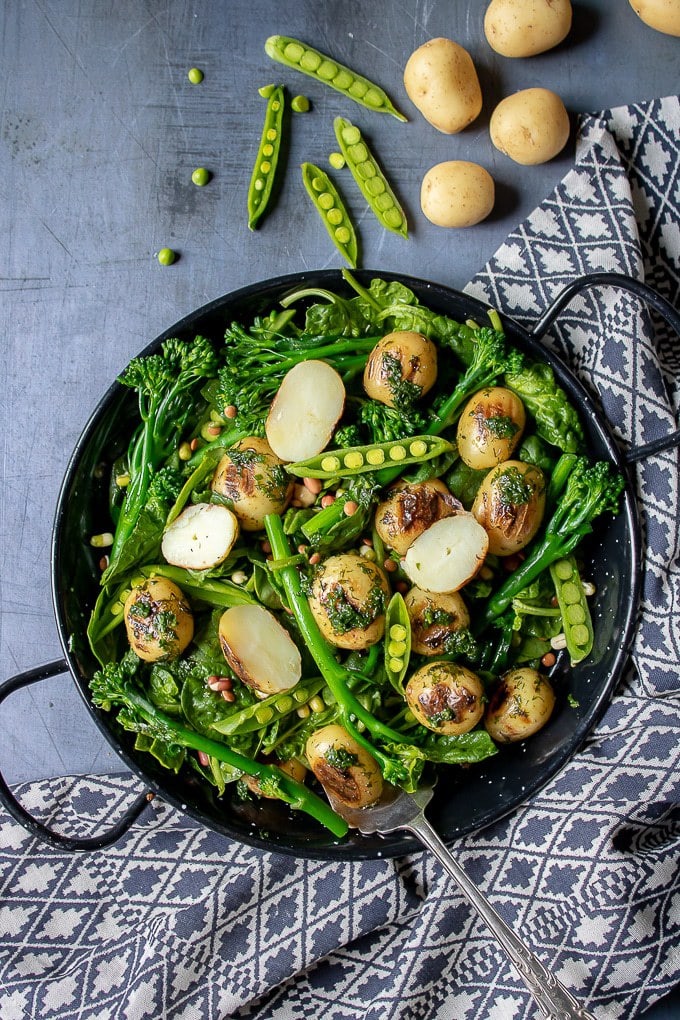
{"points": [[371, 180], [571, 598], [253, 717], [264, 171], [331, 208], [356, 460], [397, 641], [295, 54]]}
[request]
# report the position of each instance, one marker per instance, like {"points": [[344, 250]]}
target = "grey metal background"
{"points": [[100, 133]]}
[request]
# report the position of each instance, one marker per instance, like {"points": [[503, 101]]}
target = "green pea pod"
{"points": [[331, 208], [397, 641], [254, 717], [371, 180], [264, 171], [573, 604], [295, 54], [354, 460]]}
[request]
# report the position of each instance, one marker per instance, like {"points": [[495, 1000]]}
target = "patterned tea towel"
{"points": [[177, 923]]}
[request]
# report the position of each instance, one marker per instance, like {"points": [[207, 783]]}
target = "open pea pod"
{"points": [[397, 641], [573, 604], [262, 713], [356, 460]]}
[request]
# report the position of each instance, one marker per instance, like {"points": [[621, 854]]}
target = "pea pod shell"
{"points": [[397, 616], [295, 54], [356, 460], [371, 180], [327, 201], [573, 604], [264, 170], [246, 721]]}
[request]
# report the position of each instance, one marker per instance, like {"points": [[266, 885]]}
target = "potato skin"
{"points": [[357, 783], [446, 697], [408, 510], [490, 427], [428, 637], [520, 705], [662, 15], [292, 767], [417, 362], [530, 126], [441, 81], [523, 28], [510, 524], [349, 582], [252, 478], [457, 193], [158, 620]]}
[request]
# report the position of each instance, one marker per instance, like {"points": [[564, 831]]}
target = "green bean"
{"points": [[397, 641], [264, 171], [295, 54], [571, 598], [354, 460], [331, 209], [252, 717], [372, 182]]}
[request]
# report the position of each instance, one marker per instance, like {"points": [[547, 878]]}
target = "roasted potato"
{"points": [[258, 649], [520, 705], [434, 618], [305, 410], [158, 620], [344, 767], [490, 427], [348, 599], [448, 554], [401, 368], [408, 510], [441, 81], [446, 697], [253, 479], [510, 504]]}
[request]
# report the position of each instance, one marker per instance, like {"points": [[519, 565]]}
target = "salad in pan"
{"points": [[345, 546]]}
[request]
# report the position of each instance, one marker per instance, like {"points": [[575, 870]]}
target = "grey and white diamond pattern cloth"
{"points": [[178, 923]]}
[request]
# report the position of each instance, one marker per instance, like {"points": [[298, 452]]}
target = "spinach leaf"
{"points": [[556, 419]]}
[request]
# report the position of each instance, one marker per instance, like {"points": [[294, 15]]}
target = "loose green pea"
{"points": [[300, 104], [336, 160], [372, 182], [200, 176], [166, 256], [295, 54], [326, 200], [195, 75]]}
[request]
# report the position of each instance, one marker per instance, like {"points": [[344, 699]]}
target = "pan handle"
{"points": [[36, 828], [650, 297]]}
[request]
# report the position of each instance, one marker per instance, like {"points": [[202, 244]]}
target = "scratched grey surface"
{"points": [[100, 133]]}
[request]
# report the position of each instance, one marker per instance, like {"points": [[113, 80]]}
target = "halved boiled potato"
{"points": [[201, 537], [305, 411], [448, 554], [259, 650]]}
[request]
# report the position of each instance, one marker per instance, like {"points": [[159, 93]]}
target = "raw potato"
{"points": [[252, 477], [457, 194], [343, 766], [259, 650], [414, 358], [441, 81], [448, 554], [530, 127], [158, 620], [305, 411], [520, 705], [663, 15], [201, 537], [446, 697], [523, 28]]}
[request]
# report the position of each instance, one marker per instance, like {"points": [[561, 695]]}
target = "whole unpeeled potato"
{"points": [[530, 126], [441, 81], [457, 194], [523, 28], [663, 15]]}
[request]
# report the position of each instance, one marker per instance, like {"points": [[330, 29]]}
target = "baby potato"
{"points": [[158, 620], [523, 28], [344, 767], [441, 81], [457, 193], [401, 368], [292, 767], [434, 618], [446, 697], [663, 15], [408, 510], [530, 127], [519, 706], [252, 477], [259, 650], [348, 599], [510, 504], [490, 427]]}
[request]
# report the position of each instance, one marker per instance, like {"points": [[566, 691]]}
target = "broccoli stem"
{"points": [[335, 676]]}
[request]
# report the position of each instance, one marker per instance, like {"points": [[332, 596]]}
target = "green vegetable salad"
{"points": [[346, 543]]}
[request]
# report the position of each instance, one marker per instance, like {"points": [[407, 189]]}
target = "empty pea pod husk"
{"points": [[332, 210], [370, 178], [264, 170], [295, 54]]}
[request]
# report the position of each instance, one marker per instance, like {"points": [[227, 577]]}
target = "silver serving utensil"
{"points": [[398, 810]]}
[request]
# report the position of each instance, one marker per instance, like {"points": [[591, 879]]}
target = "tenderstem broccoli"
{"points": [[590, 490]]}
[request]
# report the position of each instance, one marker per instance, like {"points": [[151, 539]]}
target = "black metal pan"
{"points": [[467, 800]]}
